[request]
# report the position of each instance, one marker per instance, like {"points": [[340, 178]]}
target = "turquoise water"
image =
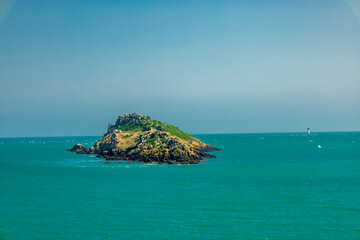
{"points": [[262, 186]]}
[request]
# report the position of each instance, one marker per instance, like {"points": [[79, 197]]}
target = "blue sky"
{"points": [[70, 67]]}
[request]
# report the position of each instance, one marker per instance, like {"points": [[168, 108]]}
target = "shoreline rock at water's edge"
{"points": [[141, 139]]}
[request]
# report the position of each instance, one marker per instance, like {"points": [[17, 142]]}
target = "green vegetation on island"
{"points": [[139, 138]]}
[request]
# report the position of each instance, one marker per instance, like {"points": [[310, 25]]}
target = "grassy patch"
{"points": [[151, 140], [145, 124], [135, 126], [173, 130]]}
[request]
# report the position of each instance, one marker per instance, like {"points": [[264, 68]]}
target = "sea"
{"points": [[260, 186]]}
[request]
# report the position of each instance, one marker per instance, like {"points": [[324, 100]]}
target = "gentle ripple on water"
{"points": [[262, 186]]}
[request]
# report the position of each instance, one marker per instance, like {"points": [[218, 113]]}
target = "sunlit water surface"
{"points": [[261, 186]]}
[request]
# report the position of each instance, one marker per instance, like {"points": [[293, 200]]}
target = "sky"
{"points": [[68, 68]]}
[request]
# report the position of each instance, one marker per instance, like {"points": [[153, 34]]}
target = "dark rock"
{"points": [[79, 149], [92, 150]]}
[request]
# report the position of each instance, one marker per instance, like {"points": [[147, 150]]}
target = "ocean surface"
{"points": [[261, 186]]}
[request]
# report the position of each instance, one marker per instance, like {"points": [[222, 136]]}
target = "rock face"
{"points": [[79, 149], [139, 138]]}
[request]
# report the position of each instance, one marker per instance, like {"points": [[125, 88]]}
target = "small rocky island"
{"points": [[141, 139]]}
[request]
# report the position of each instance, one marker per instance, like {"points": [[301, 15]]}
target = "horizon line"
{"points": [[355, 131]]}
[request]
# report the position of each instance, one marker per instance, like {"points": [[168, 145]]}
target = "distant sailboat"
{"points": [[308, 131]]}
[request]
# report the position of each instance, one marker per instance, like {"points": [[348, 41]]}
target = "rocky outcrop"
{"points": [[79, 149], [138, 138], [126, 118]]}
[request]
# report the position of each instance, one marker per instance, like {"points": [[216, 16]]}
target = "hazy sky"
{"points": [[71, 67]]}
